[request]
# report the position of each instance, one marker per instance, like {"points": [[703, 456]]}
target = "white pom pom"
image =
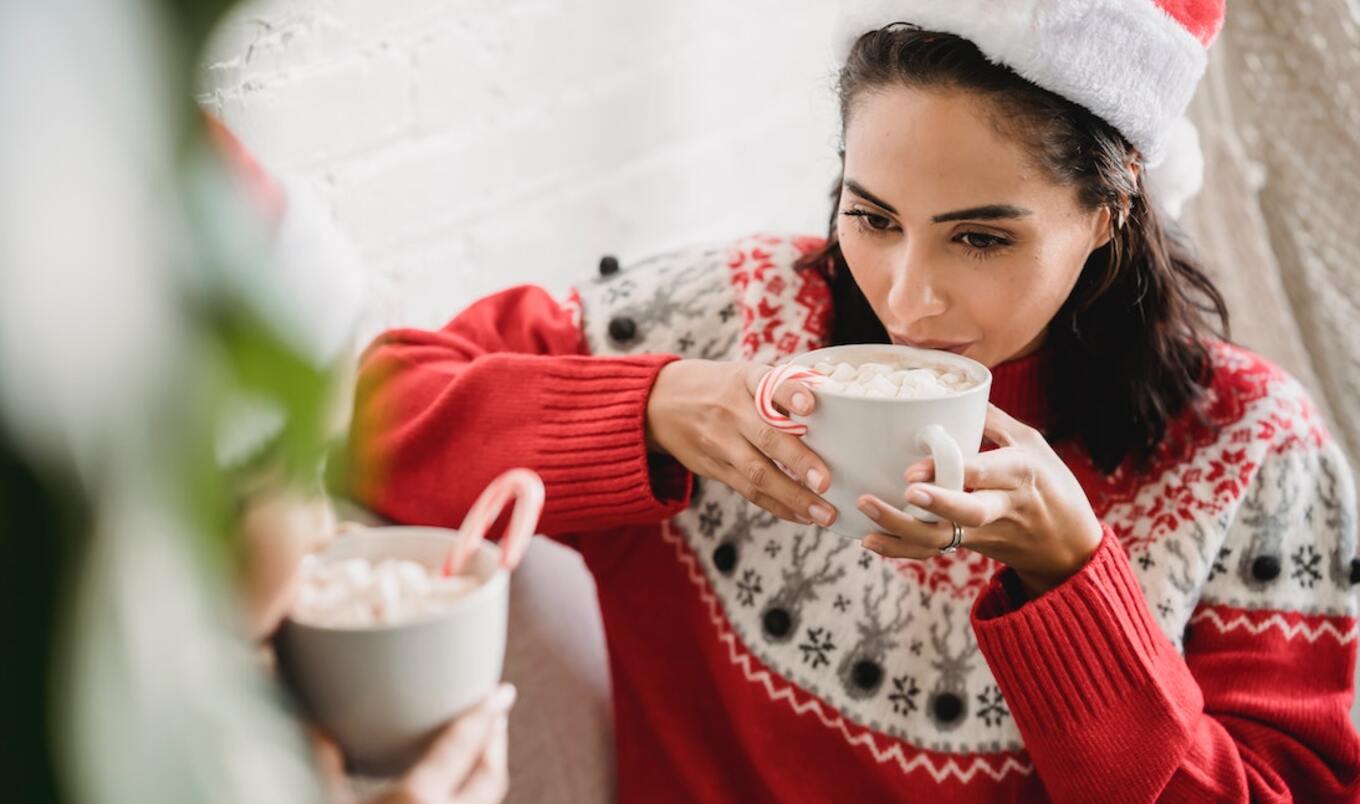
{"points": [[1178, 177]]}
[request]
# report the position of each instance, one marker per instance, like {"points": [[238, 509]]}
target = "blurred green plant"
{"points": [[236, 350]]}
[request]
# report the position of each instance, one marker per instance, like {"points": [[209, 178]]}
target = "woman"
{"points": [[1154, 598]]}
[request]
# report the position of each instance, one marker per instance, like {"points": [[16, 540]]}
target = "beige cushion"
{"points": [[561, 730]]}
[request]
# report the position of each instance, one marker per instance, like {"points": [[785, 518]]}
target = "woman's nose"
{"points": [[915, 292]]}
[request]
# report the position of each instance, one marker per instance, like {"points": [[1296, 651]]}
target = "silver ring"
{"points": [[955, 542]]}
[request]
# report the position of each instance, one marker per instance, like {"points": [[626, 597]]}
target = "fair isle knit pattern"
{"points": [[1205, 653], [1244, 527]]}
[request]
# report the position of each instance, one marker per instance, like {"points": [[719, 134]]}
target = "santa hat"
{"points": [[1133, 63]]}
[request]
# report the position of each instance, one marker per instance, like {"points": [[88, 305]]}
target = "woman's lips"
{"points": [[943, 346]]}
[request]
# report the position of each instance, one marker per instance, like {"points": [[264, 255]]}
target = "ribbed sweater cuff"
{"points": [[1086, 671], [592, 436]]}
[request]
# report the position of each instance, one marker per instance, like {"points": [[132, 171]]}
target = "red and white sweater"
{"points": [[1205, 653]]}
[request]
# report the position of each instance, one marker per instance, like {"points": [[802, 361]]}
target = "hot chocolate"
{"points": [[359, 593], [892, 381]]}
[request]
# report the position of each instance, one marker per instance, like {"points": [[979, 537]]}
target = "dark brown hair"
{"points": [[1128, 350]]}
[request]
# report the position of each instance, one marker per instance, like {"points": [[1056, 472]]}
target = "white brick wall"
{"points": [[466, 147]]}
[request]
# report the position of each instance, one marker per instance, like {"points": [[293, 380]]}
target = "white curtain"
{"points": [[1277, 223]]}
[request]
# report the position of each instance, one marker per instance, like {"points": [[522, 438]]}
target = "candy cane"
{"points": [[767, 387], [527, 490]]}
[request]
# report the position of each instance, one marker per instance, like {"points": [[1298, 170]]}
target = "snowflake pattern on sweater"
{"points": [[1249, 523]]}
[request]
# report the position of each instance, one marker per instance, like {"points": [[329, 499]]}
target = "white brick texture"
{"points": [[465, 147]]}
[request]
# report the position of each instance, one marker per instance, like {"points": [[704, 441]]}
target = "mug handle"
{"points": [[526, 488], [948, 464]]}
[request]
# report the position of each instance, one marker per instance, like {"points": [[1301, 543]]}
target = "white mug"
{"points": [[868, 443], [382, 692]]}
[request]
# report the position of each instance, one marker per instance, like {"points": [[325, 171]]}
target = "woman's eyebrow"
{"points": [[858, 189], [989, 212]]}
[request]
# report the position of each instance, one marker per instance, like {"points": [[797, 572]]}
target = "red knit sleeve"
{"points": [[1110, 711], [507, 383]]}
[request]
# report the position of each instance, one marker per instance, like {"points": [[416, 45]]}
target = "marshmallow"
{"points": [[868, 371], [882, 381], [844, 373], [880, 385], [924, 382], [357, 593]]}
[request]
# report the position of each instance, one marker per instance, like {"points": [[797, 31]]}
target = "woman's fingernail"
{"points": [[802, 403], [869, 509], [918, 497], [821, 513], [504, 697], [815, 480]]}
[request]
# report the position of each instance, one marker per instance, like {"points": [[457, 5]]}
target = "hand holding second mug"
{"points": [[702, 413], [1026, 509], [466, 763]]}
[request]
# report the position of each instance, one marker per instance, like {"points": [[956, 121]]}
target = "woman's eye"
{"points": [[872, 220], [981, 242], [877, 222]]}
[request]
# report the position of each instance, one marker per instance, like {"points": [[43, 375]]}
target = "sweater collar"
{"points": [[1018, 387]]}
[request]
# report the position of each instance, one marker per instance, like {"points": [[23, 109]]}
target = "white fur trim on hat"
{"points": [[1127, 61], [1177, 179]]}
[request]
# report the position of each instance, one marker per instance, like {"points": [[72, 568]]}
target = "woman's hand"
{"points": [[702, 413], [466, 763], [278, 527], [1026, 509]]}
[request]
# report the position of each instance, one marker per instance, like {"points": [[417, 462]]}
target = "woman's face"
{"points": [[956, 239]]}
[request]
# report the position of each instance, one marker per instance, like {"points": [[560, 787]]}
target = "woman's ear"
{"points": [[1108, 219], [1134, 166], [1103, 229], [1111, 219]]}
